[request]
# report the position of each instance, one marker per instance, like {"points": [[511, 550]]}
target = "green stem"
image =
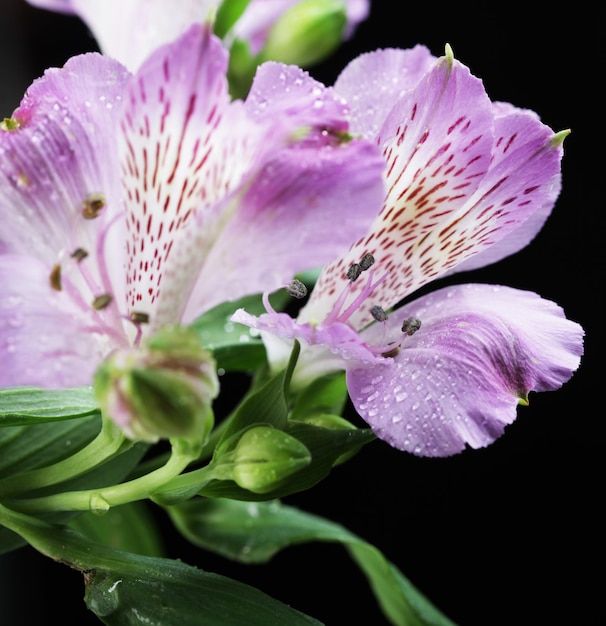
{"points": [[102, 499], [107, 444]]}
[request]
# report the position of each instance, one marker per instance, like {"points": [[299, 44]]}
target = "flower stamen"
{"points": [[55, 278], [93, 205], [102, 302]]}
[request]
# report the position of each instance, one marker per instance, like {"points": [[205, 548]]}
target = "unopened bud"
{"points": [[307, 33], [265, 457], [164, 389]]}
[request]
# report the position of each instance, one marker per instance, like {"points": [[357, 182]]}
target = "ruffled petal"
{"points": [[373, 82], [48, 338], [458, 380]]}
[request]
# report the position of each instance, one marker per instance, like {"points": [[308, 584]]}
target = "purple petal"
{"points": [[460, 181], [178, 158], [47, 338], [63, 6], [437, 144], [62, 153], [373, 82], [458, 380], [299, 179], [508, 122]]}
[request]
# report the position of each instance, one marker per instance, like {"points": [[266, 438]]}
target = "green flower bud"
{"points": [[163, 389], [265, 457], [307, 33]]}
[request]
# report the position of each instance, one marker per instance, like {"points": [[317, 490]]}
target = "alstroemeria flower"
{"points": [[134, 201], [468, 182], [128, 30]]}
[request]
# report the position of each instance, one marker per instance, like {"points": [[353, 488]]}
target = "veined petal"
{"points": [[437, 144], [512, 123], [60, 155], [285, 223], [287, 176], [48, 338], [176, 160], [373, 82], [458, 380], [475, 176]]}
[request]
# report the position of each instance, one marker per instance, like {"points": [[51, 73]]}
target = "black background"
{"points": [[511, 534]]}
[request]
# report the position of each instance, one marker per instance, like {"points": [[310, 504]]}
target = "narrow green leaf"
{"points": [[25, 406], [23, 448], [124, 589], [254, 533]]}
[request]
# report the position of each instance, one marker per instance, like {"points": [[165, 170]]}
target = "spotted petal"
{"points": [[225, 198], [458, 380], [460, 180]]}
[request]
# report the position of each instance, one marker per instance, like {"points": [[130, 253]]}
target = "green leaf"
{"points": [[254, 533], [23, 448], [129, 527], [25, 406], [124, 589], [324, 395]]}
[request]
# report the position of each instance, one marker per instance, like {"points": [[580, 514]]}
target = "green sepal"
{"points": [[326, 447], [306, 33], [228, 13]]}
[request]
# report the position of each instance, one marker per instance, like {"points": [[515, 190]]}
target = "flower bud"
{"points": [[307, 33], [163, 389], [264, 457]]}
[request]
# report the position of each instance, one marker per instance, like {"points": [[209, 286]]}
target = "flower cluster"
{"points": [[164, 201]]}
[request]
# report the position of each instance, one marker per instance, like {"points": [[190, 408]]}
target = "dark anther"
{"points": [[93, 205], [354, 271], [100, 302], [296, 289], [366, 261], [378, 313], [55, 278], [392, 352], [411, 325], [79, 254], [139, 318]]}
